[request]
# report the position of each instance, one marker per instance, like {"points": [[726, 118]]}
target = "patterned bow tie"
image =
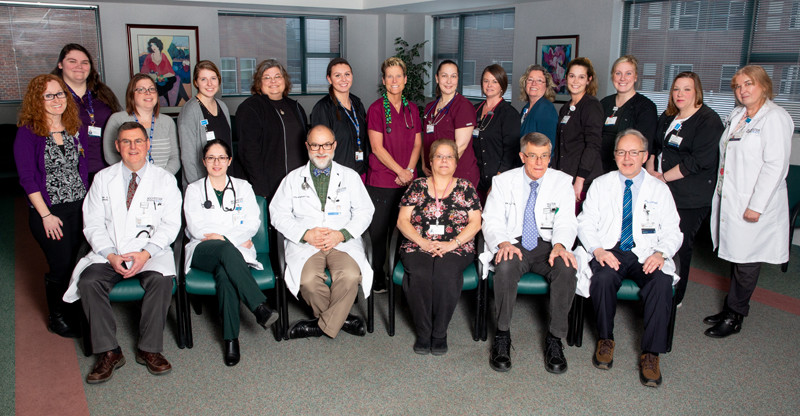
{"points": [[317, 171]]}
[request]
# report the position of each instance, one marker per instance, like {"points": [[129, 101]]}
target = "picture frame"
{"points": [[554, 53], [172, 68]]}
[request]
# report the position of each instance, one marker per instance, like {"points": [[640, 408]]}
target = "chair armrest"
{"points": [[394, 240]]}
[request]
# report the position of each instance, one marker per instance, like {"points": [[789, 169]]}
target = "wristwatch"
{"points": [[412, 170]]}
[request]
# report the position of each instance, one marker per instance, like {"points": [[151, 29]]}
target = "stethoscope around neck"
{"points": [[229, 185]]}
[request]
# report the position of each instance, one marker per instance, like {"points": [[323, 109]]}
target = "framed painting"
{"points": [[554, 53], [167, 54]]}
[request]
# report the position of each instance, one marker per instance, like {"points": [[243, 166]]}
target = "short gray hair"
{"points": [[633, 132], [536, 139]]}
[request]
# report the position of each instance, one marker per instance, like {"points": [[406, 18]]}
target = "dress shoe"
{"points": [[105, 366], [422, 346], [554, 360], [379, 285], [500, 358], [57, 324], [155, 362], [603, 357], [305, 329], [439, 345], [649, 372], [354, 325], [714, 319], [730, 324], [232, 352], [265, 316]]}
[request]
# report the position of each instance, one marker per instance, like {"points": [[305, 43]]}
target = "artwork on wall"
{"points": [[168, 54], [554, 53]]}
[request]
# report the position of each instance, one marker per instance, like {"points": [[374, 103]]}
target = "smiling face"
{"points": [[490, 86], [443, 160], [75, 67], [447, 79], [341, 78], [577, 79], [272, 83], [318, 138], [628, 165], [56, 106], [535, 160], [683, 93], [749, 92], [207, 83], [145, 96], [394, 80], [535, 85], [132, 146], [214, 163], [624, 77]]}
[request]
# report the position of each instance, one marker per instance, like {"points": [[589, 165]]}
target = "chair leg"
{"points": [[285, 312], [671, 330], [484, 286], [390, 327], [572, 322], [277, 328], [577, 332], [198, 308], [476, 326], [86, 334], [371, 312]]}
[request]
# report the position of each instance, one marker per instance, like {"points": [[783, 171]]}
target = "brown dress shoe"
{"points": [[105, 366], [649, 373], [603, 357], [155, 362]]}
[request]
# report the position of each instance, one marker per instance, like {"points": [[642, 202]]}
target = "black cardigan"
{"points": [[265, 153], [577, 150], [637, 113], [497, 146], [325, 113], [697, 157]]}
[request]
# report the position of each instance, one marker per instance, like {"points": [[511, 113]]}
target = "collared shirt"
{"points": [[527, 189], [637, 183]]}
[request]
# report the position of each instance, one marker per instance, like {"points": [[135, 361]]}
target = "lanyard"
{"points": [[481, 125], [90, 108], [152, 125], [439, 212], [442, 112], [354, 120]]}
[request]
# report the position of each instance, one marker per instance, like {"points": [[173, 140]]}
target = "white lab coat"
{"points": [[600, 224], [755, 177], [237, 226], [504, 212], [294, 210], [109, 224]]}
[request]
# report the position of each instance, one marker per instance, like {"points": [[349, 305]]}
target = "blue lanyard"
{"points": [[353, 120], [90, 109], [152, 125], [444, 110]]}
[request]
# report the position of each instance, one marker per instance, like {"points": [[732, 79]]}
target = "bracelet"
{"points": [[47, 215], [457, 241]]}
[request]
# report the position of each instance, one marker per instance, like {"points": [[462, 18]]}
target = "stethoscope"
{"points": [[229, 185], [405, 120], [146, 231]]}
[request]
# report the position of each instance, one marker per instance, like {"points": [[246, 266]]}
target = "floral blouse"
{"points": [[454, 213], [62, 179]]}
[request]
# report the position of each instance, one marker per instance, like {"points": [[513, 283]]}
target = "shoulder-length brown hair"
{"points": [[591, 89], [550, 87], [672, 109], [262, 67], [130, 104], [33, 115]]}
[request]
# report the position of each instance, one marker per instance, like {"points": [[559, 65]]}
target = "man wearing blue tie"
{"points": [[529, 226], [629, 223]]}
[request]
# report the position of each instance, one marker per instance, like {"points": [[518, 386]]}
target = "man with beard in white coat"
{"points": [[630, 225], [131, 215], [322, 209]]}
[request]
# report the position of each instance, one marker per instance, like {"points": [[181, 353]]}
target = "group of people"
{"points": [[600, 191]]}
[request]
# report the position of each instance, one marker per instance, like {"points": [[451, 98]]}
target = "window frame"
{"points": [[223, 71]]}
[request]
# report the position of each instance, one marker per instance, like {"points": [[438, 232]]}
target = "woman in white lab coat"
{"points": [[749, 212], [222, 217]]}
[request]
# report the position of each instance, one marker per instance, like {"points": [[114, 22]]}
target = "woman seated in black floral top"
{"points": [[439, 216]]}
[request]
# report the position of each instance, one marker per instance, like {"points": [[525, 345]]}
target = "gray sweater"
{"points": [[163, 148], [193, 138]]}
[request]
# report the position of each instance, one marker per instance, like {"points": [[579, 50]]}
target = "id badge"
{"points": [[429, 128], [610, 121], [436, 229], [548, 215], [95, 131], [675, 141], [736, 137], [142, 221], [210, 136], [476, 132], [648, 228], [238, 216], [565, 119], [359, 156]]}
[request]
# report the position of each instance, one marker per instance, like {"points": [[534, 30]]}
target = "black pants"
{"points": [[691, 220], [655, 289], [386, 201], [432, 286], [744, 278], [60, 254]]}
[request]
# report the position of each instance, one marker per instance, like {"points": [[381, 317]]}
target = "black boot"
{"points": [[731, 324], [58, 322], [714, 319]]}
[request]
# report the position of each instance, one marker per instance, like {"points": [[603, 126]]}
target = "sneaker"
{"points": [[603, 357], [379, 286], [554, 360], [500, 358], [649, 372]]}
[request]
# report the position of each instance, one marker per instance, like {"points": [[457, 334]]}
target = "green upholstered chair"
{"points": [[200, 283], [472, 281], [793, 186]]}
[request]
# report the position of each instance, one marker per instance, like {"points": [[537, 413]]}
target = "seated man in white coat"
{"points": [[322, 209], [529, 226], [629, 224], [131, 215]]}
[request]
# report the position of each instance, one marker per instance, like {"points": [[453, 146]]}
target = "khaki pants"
{"points": [[330, 304]]}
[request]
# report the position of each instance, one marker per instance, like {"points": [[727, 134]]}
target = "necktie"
{"points": [[530, 233], [626, 238], [131, 190], [317, 171]]}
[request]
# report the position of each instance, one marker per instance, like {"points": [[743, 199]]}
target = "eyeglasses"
{"points": [[633, 153], [314, 146], [443, 157], [543, 157], [127, 143], [276, 78], [214, 159], [50, 97], [142, 90], [534, 81]]}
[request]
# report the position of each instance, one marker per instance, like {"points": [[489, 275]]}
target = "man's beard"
{"points": [[316, 162]]}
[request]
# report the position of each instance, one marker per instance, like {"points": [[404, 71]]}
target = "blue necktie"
{"points": [[626, 238], [318, 171], [530, 233]]}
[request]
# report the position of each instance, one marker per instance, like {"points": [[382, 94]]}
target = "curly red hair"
{"points": [[33, 115]]}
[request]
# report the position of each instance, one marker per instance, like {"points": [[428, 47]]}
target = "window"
{"points": [[228, 71], [32, 39], [714, 38], [486, 38], [304, 44]]}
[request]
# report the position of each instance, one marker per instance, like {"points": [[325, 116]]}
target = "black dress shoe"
{"points": [[354, 325], [305, 329], [422, 346], [265, 316], [379, 285], [232, 352], [714, 319], [500, 358], [554, 360], [439, 345], [731, 324], [57, 324]]}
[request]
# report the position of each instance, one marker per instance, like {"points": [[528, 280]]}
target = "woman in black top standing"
{"points": [[580, 124], [496, 136], [626, 109], [685, 155], [343, 113]]}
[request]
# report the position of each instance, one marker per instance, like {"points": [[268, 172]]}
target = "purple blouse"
{"points": [[93, 145]]}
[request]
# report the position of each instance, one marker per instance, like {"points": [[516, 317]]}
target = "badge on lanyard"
{"points": [[95, 131], [675, 140], [648, 226], [429, 128], [476, 132], [611, 120], [144, 219], [548, 215], [359, 156], [565, 119]]}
